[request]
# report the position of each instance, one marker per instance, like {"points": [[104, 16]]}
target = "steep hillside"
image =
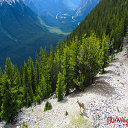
{"points": [[21, 33], [105, 98], [84, 7], [109, 17]]}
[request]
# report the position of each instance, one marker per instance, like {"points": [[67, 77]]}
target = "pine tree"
{"points": [[127, 41], [74, 48], [60, 87], [51, 69], [67, 76], [27, 89], [37, 73], [88, 61], [9, 92], [104, 53], [21, 75], [1, 75], [31, 73], [43, 61]]}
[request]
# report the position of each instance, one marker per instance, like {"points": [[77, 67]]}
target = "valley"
{"points": [[27, 27]]}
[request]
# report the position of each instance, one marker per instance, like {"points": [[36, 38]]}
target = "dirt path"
{"points": [[107, 97]]}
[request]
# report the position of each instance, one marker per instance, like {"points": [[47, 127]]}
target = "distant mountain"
{"points": [[62, 14], [49, 8], [21, 33], [84, 7], [72, 4]]}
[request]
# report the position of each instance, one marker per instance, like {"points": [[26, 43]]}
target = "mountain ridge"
{"points": [[22, 34]]}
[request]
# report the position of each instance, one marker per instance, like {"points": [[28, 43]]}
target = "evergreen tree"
{"points": [[127, 41], [74, 48], [27, 89], [21, 75], [104, 53], [43, 61], [1, 75], [89, 63], [51, 69], [67, 76], [60, 87], [31, 73], [9, 92], [37, 73]]}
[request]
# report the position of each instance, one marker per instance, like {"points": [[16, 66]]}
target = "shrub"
{"points": [[66, 113], [24, 125], [38, 99], [48, 106]]}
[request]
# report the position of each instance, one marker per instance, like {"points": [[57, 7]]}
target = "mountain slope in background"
{"points": [[49, 8], [21, 34], [62, 14], [72, 4], [84, 7], [109, 17]]}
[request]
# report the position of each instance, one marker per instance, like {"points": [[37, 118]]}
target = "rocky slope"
{"points": [[105, 101]]}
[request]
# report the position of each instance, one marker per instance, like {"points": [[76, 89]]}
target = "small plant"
{"points": [[78, 121], [29, 114], [122, 83], [48, 106], [66, 113], [38, 99], [24, 125], [32, 110], [117, 109]]}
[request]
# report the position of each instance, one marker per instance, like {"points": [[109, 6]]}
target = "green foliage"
{"points": [[66, 113], [9, 108], [27, 88], [74, 48], [127, 41], [0, 88], [104, 53], [38, 99], [48, 106], [109, 17], [78, 121], [60, 87], [66, 67], [24, 125]]}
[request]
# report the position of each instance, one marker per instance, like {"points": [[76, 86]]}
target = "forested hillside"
{"points": [[73, 64], [109, 17]]}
